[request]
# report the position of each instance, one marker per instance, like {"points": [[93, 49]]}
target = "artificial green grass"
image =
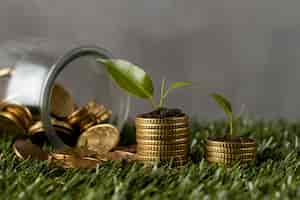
{"points": [[275, 175]]}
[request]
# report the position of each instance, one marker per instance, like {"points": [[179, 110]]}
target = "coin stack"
{"points": [[162, 140], [14, 119], [227, 152]]}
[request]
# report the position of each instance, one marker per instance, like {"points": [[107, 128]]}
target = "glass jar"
{"points": [[31, 67]]}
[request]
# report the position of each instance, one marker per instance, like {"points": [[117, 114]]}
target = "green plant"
{"points": [[135, 81], [226, 106]]}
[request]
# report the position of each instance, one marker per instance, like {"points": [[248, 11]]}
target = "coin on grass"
{"points": [[101, 138], [24, 149], [75, 158], [62, 103]]}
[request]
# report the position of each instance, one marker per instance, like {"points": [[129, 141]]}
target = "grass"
{"points": [[275, 175]]}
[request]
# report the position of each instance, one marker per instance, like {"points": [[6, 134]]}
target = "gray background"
{"points": [[247, 50]]}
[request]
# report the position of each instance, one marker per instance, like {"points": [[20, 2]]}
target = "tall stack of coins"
{"points": [[162, 140], [227, 152]]}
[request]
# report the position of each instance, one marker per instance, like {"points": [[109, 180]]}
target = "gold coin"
{"points": [[163, 153], [87, 122], [9, 125], [24, 149], [104, 116], [7, 71], [227, 161], [174, 131], [100, 138], [75, 117], [231, 156], [22, 113], [230, 150], [167, 120], [160, 158], [62, 103], [99, 111], [236, 142], [58, 125], [162, 147], [61, 124], [163, 142], [76, 158], [161, 137], [121, 155]]}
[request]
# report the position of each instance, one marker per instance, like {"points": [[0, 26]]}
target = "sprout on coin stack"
{"points": [[163, 134], [229, 149]]}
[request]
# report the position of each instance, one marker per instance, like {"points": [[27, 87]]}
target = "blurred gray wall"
{"points": [[247, 50]]}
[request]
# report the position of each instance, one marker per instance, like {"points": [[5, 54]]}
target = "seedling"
{"points": [[226, 106], [135, 81]]}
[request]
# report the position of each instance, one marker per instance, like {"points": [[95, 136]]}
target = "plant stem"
{"points": [[231, 126], [162, 91], [154, 105]]}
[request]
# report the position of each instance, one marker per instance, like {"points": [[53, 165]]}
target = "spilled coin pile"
{"points": [[86, 130]]}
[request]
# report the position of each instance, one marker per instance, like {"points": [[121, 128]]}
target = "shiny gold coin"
{"points": [[7, 71], [227, 161], [233, 142], [168, 120], [22, 113], [173, 131], [162, 147], [121, 155], [104, 116], [74, 158], [75, 117], [62, 103], [231, 156], [9, 125], [99, 111], [163, 153], [100, 138], [161, 127], [163, 142], [24, 149], [87, 122], [161, 158], [168, 137], [230, 150]]}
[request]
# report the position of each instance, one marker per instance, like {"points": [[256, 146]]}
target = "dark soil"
{"points": [[163, 113]]}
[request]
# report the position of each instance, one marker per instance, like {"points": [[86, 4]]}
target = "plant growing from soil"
{"points": [[224, 103], [136, 82]]}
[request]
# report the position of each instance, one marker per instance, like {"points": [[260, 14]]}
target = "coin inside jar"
{"points": [[21, 113], [101, 113], [63, 130], [100, 138], [62, 103], [10, 125]]}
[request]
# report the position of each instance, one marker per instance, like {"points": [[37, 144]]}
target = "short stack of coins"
{"points": [[228, 152], [162, 140]]}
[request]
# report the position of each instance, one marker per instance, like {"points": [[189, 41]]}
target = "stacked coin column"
{"points": [[162, 140], [230, 152]]}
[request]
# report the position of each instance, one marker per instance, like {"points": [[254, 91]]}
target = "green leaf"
{"points": [[129, 77], [177, 85], [224, 104]]}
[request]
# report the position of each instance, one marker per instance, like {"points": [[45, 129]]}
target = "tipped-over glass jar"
{"points": [[56, 78]]}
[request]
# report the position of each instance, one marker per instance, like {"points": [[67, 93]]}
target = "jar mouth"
{"points": [[55, 70]]}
